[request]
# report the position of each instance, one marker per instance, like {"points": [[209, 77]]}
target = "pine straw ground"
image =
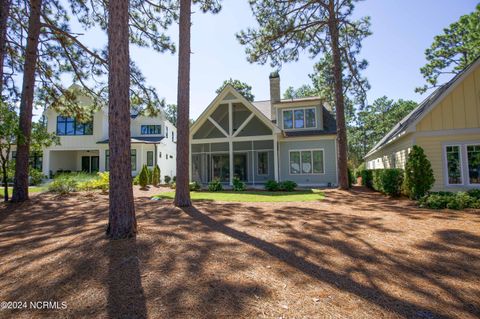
{"points": [[354, 255]]}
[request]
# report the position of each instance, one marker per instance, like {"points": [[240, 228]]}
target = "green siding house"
{"points": [[264, 140]]}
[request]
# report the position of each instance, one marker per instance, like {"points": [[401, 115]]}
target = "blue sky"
{"points": [[402, 30]]}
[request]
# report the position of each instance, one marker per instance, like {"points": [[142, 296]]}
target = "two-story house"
{"points": [[265, 140], [84, 146]]}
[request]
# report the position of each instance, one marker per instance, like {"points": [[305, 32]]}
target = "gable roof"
{"points": [[220, 97], [407, 124]]}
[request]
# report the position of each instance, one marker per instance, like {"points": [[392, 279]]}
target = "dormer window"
{"points": [[299, 118], [151, 129]]}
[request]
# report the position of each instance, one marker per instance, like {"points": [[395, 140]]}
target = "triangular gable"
{"points": [[229, 90]]}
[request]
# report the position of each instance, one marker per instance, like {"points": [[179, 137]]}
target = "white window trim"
{"points": [[304, 118], [268, 163], [466, 162], [445, 162], [306, 150]]}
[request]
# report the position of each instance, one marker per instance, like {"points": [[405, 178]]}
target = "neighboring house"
{"points": [[84, 146], [268, 140], [447, 126]]}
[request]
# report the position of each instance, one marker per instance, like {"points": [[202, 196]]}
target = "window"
{"points": [[473, 156], [70, 126], [107, 160], [166, 131], [306, 162], [14, 155], [166, 156], [287, 119], [299, 118], [173, 136], [294, 162], [151, 129], [262, 168], [133, 159], [160, 155], [318, 162], [149, 158], [454, 165]]}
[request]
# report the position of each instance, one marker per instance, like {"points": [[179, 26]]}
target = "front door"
{"points": [[240, 166], [86, 164], [221, 167]]}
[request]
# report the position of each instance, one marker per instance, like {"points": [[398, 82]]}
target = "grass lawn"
{"points": [[31, 189], [251, 196]]}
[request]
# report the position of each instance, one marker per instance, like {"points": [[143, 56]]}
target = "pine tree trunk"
{"points": [[339, 100], [4, 13], [20, 185], [122, 222], [182, 192]]}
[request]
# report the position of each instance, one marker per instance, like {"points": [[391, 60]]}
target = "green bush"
{"points": [[287, 186], [173, 185], [63, 186], [102, 182], [156, 176], [359, 169], [150, 176], [143, 179], [167, 179], [174, 179], [418, 174], [388, 181], [367, 178], [238, 185], [194, 186], [474, 193], [441, 200], [36, 176], [351, 178], [271, 185], [136, 180], [215, 186]]}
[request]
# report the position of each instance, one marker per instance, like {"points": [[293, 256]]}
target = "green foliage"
{"points": [[238, 185], [271, 185], [359, 169], [102, 182], [242, 88], [215, 186], [194, 186], [150, 176], [287, 186], [143, 178], [63, 186], [442, 200], [171, 113], [167, 179], [367, 178], [136, 180], [156, 176], [173, 185], [388, 181], [351, 178], [418, 173], [174, 179], [36, 176], [474, 193], [453, 50]]}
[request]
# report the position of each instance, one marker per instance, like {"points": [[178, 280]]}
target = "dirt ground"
{"points": [[354, 255]]}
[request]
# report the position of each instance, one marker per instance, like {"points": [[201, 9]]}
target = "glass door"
{"points": [[86, 164], [221, 167], [240, 166], [94, 164]]}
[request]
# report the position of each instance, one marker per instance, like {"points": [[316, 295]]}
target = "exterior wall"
{"points": [[434, 149], [393, 155], [299, 105], [330, 161], [459, 109]]}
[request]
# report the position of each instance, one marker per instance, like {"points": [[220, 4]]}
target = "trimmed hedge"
{"points": [[388, 181], [367, 178], [442, 200]]}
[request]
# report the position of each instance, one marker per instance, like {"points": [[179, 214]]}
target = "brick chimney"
{"points": [[274, 93]]}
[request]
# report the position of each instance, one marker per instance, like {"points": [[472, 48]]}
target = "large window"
{"points": [[473, 156], [133, 159], [299, 118], [70, 126], [151, 129], [262, 163], [149, 158], [35, 160], [454, 165], [306, 162]]}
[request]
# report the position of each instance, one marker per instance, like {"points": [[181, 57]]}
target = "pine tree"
{"points": [[156, 176]]}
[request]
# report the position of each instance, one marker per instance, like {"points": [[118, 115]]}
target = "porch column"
{"points": [[46, 163], [275, 157], [101, 160], [230, 150]]}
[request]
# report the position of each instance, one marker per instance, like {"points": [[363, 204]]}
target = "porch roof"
{"points": [[140, 140]]}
